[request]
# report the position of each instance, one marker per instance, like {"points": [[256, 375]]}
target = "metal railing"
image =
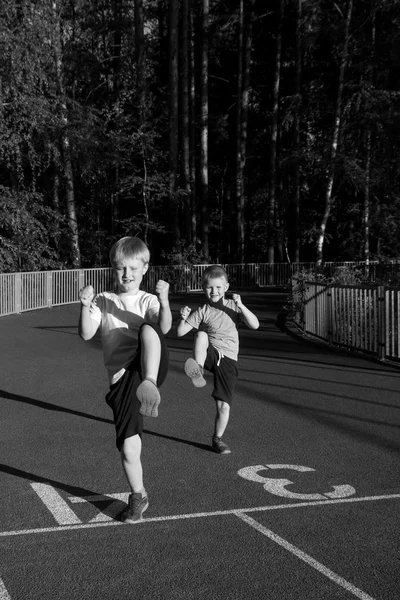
{"points": [[21, 292], [365, 318]]}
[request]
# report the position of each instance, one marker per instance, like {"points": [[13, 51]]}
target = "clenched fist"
{"points": [[185, 312], [162, 290], [237, 300], [86, 295]]}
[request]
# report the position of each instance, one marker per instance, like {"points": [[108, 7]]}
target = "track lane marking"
{"points": [[305, 557], [216, 513], [55, 504], [4, 595]]}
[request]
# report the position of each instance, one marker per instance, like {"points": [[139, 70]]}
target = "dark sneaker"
{"points": [[137, 504], [219, 446], [195, 372], [149, 398]]}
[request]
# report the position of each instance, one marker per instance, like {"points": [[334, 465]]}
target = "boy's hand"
{"points": [[162, 289], [185, 312], [86, 295], [237, 300]]}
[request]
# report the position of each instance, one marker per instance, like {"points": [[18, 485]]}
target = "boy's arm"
{"points": [[248, 317], [165, 315], [183, 328], [87, 327]]}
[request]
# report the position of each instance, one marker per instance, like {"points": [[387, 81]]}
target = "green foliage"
{"points": [[120, 157], [24, 227]]}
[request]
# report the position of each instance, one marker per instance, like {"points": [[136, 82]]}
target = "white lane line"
{"points": [[56, 504], [216, 513], [4, 595], [305, 557]]}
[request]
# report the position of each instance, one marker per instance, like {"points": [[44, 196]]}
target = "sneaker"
{"points": [[219, 446], [195, 372], [137, 504], [149, 398]]}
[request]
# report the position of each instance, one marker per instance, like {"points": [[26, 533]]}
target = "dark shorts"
{"points": [[225, 373], [122, 395]]}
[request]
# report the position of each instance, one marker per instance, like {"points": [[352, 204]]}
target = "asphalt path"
{"points": [[305, 508]]}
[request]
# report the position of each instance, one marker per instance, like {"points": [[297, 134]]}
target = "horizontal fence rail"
{"points": [[359, 317], [365, 318], [20, 292]]}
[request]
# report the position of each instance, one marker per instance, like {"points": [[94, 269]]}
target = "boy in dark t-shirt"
{"points": [[216, 345]]}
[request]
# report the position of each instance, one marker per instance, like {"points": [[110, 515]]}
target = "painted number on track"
{"points": [[277, 486]]}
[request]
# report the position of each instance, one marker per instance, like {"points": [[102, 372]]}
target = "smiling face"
{"points": [[215, 288], [129, 273]]}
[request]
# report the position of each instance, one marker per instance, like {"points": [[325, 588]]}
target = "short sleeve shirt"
{"points": [[220, 324], [119, 327]]}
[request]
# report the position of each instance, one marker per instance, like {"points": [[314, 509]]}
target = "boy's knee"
{"points": [[223, 407], [201, 338], [131, 448], [148, 334]]}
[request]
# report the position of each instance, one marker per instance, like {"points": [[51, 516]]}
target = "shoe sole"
{"points": [[129, 521], [149, 398], [224, 451], [193, 370]]}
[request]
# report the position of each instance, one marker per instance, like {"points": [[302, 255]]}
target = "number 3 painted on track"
{"points": [[278, 486]]}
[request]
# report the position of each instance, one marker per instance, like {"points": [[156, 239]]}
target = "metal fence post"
{"points": [[17, 293], [81, 280], [381, 323], [329, 314], [49, 288]]}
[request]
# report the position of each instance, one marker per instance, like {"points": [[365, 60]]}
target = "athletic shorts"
{"points": [[122, 399], [225, 373]]}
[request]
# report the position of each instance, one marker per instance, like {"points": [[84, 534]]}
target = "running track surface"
{"points": [[305, 508]]}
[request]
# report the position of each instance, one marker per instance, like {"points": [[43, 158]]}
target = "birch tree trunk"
{"points": [[367, 191], [296, 140], [65, 142], [141, 102], [274, 137], [204, 130], [192, 124], [185, 86], [239, 171], [330, 175], [173, 123]]}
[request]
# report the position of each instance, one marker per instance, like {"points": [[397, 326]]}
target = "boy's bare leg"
{"points": [[147, 392], [151, 353], [138, 501], [221, 421], [194, 367], [221, 418], [131, 462], [200, 347]]}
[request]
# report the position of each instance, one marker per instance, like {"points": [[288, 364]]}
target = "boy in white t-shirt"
{"points": [[131, 323], [216, 345]]}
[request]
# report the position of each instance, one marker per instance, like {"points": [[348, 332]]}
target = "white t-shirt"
{"points": [[119, 327]]}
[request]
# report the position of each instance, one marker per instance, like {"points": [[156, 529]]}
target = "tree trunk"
{"points": [[185, 86], [204, 130], [367, 191], [335, 137], [274, 137], [296, 140], [244, 62], [114, 95], [192, 123], [173, 208], [141, 103], [65, 144], [239, 172]]}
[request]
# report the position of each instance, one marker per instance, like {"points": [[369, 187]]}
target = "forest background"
{"points": [[217, 131]]}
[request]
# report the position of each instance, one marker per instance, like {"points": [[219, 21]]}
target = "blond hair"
{"points": [[129, 247]]}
